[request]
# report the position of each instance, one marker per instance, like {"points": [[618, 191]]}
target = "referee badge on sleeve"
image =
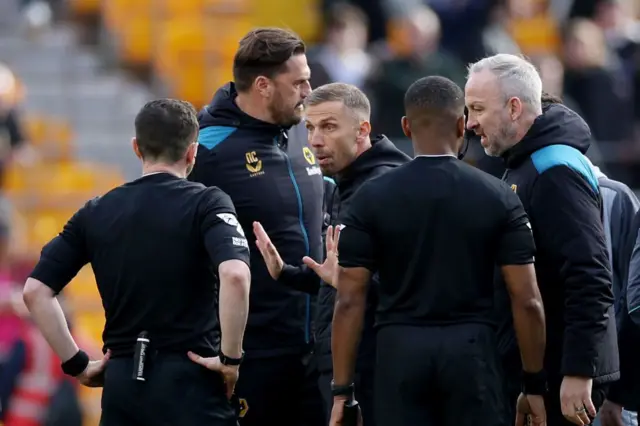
{"points": [[231, 220]]}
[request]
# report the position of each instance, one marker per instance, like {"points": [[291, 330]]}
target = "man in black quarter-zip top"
{"points": [[252, 147]]}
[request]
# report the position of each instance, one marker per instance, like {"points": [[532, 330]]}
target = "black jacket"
{"points": [[381, 157], [272, 177], [626, 391], [560, 193]]}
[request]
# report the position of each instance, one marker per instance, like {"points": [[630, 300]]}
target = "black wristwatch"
{"points": [[225, 360], [534, 383], [342, 390]]}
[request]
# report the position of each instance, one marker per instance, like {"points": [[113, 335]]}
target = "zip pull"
{"points": [[283, 140]]}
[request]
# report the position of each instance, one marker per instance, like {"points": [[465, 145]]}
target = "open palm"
{"points": [[327, 269]]}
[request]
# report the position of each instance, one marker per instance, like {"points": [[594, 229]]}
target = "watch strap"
{"points": [[342, 390], [225, 360], [534, 383]]}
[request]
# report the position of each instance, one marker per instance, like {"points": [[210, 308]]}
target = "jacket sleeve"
{"points": [[633, 285], [567, 224], [625, 207]]}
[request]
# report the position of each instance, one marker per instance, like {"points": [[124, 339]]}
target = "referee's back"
{"points": [[171, 264], [441, 232], [434, 230]]}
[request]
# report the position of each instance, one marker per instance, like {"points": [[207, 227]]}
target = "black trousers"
{"points": [[281, 391], [176, 392], [442, 376], [364, 395]]}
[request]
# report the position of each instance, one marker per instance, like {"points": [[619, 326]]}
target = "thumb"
{"points": [[520, 419], [105, 358], [315, 266], [197, 359]]}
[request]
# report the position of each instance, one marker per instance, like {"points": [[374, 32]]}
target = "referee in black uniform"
{"points": [[166, 254], [433, 230]]}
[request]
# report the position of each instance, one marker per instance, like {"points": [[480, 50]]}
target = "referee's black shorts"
{"points": [[441, 376], [176, 392]]}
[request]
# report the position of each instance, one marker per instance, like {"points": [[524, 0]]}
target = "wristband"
{"points": [[343, 390], [225, 360], [76, 364], [534, 383]]}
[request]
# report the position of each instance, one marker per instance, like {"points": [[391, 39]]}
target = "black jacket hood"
{"points": [[558, 125], [223, 111], [382, 153]]}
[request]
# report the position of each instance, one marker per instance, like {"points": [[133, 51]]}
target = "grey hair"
{"points": [[352, 98], [516, 76]]}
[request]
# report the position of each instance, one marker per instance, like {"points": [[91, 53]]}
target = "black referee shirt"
{"points": [[434, 229], [154, 245]]}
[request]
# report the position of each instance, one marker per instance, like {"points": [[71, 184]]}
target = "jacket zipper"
{"points": [[305, 235]]}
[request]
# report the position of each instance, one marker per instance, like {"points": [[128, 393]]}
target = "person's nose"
{"points": [[472, 123], [316, 140], [305, 90]]}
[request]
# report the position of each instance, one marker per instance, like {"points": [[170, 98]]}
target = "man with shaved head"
{"points": [[433, 230]]}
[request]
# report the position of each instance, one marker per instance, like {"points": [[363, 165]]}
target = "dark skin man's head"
{"points": [[434, 116]]}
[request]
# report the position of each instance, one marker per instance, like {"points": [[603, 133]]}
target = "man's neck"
{"points": [[424, 149], [523, 129], [149, 169], [253, 108]]}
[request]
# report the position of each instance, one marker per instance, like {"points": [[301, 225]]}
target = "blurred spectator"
{"points": [[33, 389], [414, 52], [12, 139], [595, 80], [342, 57]]}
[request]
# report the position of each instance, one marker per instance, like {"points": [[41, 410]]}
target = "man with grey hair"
{"points": [[543, 148], [337, 120]]}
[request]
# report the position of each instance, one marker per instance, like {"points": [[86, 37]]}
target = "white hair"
{"points": [[516, 76]]}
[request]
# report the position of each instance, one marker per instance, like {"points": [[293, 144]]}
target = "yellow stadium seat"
{"points": [[132, 24], [192, 68], [302, 16], [84, 7]]}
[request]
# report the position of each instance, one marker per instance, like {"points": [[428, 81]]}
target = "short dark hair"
{"points": [[352, 97], [435, 96], [264, 51], [165, 128]]}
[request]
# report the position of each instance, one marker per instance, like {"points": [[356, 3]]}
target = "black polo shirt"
{"points": [[155, 245], [434, 229]]}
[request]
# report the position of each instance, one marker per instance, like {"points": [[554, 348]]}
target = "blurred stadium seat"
{"points": [[84, 7]]}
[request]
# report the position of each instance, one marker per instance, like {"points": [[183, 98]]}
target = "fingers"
{"points": [[329, 239], [260, 233], [230, 387], [198, 359], [591, 409]]}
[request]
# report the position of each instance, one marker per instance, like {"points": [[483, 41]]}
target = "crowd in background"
{"points": [[587, 51]]}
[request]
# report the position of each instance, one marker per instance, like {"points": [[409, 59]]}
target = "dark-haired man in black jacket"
{"points": [[543, 148], [252, 146], [337, 118]]}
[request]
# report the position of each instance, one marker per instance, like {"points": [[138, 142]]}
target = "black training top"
{"points": [[434, 229], [155, 245]]}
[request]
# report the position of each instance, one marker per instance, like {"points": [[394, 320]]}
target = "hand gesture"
{"points": [[611, 414], [229, 373], [530, 410], [575, 400], [269, 253], [328, 268], [337, 413], [93, 375]]}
